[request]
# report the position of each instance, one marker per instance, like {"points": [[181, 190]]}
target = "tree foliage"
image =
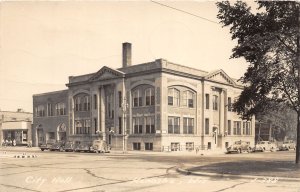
{"points": [[283, 119], [267, 40]]}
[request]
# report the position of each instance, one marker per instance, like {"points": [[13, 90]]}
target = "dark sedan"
{"points": [[69, 146], [83, 147], [57, 146]]}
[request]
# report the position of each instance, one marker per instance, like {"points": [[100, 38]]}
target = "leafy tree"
{"points": [[269, 40], [282, 118]]}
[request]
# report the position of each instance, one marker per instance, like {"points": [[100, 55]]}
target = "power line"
{"points": [[184, 12]]}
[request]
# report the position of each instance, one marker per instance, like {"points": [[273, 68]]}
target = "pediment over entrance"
{"points": [[220, 76], [106, 73]]}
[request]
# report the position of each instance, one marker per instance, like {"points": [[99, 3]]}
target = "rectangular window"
{"points": [[120, 125], [136, 146], [209, 145], [189, 146], [229, 104], [95, 125], [215, 102], [137, 125], [173, 97], [110, 105], [60, 109], [236, 128], [83, 126], [120, 98], [49, 109], [239, 131], [149, 96], [175, 146], [78, 127], [36, 112], [229, 127], [150, 125], [246, 128], [87, 126], [40, 111], [188, 125], [170, 100], [206, 126], [188, 98], [149, 146], [206, 101], [137, 99], [95, 101], [77, 104], [86, 103], [173, 125], [191, 98]]}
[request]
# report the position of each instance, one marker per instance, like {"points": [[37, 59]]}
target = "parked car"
{"points": [[69, 146], [239, 147], [47, 145], [83, 147], [100, 146], [287, 145], [265, 146], [57, 146]]}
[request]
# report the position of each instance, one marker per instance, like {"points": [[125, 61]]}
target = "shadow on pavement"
{"points": [[256, 168]]}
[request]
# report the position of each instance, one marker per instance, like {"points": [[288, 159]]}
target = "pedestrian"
{"points": [[29, 144], [197, 150], [14, 143]]}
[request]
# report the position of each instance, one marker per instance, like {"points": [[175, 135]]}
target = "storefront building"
{"points": [[15, 127]]}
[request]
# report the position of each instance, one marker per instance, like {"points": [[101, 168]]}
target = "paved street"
{"points": [[62, 171]]}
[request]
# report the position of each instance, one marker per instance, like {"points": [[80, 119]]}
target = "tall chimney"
{"points": [[126, 54]]}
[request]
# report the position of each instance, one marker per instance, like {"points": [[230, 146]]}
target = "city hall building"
{"points": [[159, 106]]}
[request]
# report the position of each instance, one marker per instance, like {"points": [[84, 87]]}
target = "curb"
{"points": [[186, 172]]}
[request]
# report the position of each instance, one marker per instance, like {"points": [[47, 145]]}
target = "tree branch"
{"points": [[288, 47]]}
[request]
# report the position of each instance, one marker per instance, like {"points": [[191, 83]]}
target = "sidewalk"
{"points": [[250, 169], [171, 153]]}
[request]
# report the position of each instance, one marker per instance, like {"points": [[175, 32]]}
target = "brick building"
{"points": [[156, 106], [50, 119]]}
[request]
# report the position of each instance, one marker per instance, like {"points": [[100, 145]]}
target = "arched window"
{"points": [[137, 98], [173, 97], [60, 109], [188, 99], [149, 94], [86, 103], [77, 103]]}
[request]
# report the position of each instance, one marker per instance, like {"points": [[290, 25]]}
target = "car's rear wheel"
{"points": [[42, 149]]}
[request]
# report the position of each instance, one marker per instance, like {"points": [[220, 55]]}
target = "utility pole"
{"points": [[124, 110]]}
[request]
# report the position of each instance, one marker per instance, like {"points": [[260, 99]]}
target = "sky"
{"points": [[43, 43]]}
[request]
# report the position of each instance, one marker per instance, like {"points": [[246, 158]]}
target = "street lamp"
{"points": [[124, 110], [98, 132]]}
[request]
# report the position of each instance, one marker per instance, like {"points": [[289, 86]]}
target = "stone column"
{"points": [[221, 112], [72, 131], [225, 112], [102, 112], [98, 128]]}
